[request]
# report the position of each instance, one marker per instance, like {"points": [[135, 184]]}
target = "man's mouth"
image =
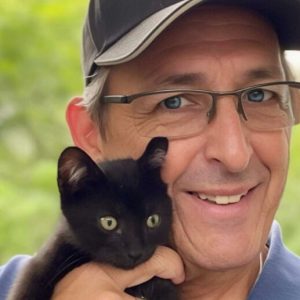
{"points": [[220, 199]]}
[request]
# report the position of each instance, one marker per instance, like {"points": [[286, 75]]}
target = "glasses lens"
{"points": [[268, 107], [171, 114], [183, 114]]}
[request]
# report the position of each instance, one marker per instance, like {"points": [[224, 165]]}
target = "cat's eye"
{"points": [[108, 223], [153, 221]]}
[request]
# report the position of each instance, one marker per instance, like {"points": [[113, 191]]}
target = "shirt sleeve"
{"points": [[8, 273]]}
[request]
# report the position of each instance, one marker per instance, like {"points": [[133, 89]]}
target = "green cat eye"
{"points": [[153, 221], [108, 223]]}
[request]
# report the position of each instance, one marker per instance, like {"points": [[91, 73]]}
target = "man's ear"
{"points": [[85, 133]]}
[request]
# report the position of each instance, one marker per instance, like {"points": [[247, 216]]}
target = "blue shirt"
{"points": [[279, 280]]}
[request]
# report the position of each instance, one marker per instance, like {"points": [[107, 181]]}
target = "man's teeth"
{"points": [[221, 199]]}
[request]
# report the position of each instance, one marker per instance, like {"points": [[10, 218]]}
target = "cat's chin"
{"points": [[128, 264], [123, 260]]}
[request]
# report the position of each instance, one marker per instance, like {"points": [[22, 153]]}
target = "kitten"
{"points": [[116, 212]]}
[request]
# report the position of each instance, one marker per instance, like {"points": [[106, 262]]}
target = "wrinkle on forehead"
{"points": [[204, 37], [217, 23]]}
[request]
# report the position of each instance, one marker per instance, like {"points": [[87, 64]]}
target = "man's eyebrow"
{"points": [[199, 79], [272, 73], [185, 79]]}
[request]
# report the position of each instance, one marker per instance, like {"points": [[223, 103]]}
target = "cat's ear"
{"points": [[155, 153], [75, 168]]}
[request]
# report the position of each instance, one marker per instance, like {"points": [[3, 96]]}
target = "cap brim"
{"points": [[139, 38], [283, 14]]}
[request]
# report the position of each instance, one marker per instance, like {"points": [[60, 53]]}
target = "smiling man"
{"points": [[210, 76]]}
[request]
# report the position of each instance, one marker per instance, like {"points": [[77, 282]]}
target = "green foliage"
{"points": [[40, 70], [288, 213]]}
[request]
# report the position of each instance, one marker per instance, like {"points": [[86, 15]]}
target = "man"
{"points": [[229, 140]]}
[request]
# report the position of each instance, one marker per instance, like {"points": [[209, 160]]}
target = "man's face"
{"points": [[220, 50]]}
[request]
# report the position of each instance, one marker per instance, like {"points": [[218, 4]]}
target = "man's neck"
{"points": [[220, 285]]}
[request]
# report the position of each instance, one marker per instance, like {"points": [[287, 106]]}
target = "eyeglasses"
{"points": [[186, 112]]}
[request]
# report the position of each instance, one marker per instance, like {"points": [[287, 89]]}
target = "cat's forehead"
{"points": [[121, 172], [117, 166]]}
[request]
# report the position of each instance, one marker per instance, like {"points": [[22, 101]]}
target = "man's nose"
{"points": [[228, 140]]}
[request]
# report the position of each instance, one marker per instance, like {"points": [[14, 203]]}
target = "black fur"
{"points": [[128, 190]]}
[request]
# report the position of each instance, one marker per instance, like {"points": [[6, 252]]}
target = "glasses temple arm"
{"points": [[116, 99]]}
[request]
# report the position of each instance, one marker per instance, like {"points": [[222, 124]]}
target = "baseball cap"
{"points": [[116, 31]]}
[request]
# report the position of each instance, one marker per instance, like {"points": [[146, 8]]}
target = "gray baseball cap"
{"points": [[116, 31]]}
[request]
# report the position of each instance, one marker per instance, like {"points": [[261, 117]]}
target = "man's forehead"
{"points": [[209, 35], [207, 20], [209, 25]]}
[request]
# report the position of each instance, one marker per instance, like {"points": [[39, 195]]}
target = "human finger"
{"points": [[164, 263], [100, 281]]}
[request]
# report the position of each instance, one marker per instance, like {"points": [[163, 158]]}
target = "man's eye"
{"points": [[172, 102], [259, 95]]}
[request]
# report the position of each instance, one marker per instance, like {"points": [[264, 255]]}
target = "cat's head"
{"points": [[119, 210]]}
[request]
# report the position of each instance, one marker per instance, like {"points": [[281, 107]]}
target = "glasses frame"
{"points": [[127, 99]]}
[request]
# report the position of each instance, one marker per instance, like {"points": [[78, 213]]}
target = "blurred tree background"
{"points": [[39, 71]]}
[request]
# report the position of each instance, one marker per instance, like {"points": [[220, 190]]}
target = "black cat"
{"points": [[117, 212]]}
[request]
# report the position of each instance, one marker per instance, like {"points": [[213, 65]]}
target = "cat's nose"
{"points": [[134, 255]]}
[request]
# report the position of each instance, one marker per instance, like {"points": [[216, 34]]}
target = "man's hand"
{"points": [[96, 281]]}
